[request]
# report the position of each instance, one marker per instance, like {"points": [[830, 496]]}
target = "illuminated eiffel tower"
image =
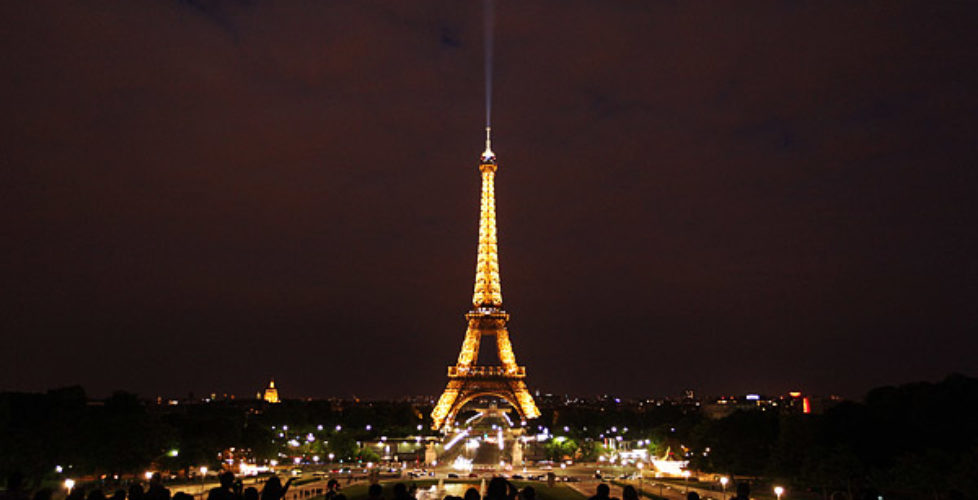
{"points": [[468, 380]]}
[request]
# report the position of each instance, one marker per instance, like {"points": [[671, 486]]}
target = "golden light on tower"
{"points": [[467, 380]]}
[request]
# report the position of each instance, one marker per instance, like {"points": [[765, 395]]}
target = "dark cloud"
{"points": [[199, 195]]}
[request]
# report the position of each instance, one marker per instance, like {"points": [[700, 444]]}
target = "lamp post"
{"points": [[69, 484], [640, 465], [778, 491], [686, 476], [203, 476], [723, 484]]}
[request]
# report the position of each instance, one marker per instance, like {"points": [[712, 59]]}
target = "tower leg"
{"points": [[470, 348], [446, 402], [525, 400], [505, 349]]}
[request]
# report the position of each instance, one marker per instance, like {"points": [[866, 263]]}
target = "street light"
{"points": [[640, 465], [203, 476], [723, 483], [686, 475], [69, 484], [778, 491]]}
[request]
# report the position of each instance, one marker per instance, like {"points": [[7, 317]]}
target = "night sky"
{"points": [[729, 197]]}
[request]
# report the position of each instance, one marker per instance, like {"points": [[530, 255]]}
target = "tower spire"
{"points": [[488, 290], [488, 155]]}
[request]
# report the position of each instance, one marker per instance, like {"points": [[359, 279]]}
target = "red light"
{"points": [[806, 407]]}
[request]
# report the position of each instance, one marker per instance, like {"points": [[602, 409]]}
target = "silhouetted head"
{"points": [[629, 493], [135, 492], [15, 480], [183, 496], [155, 479], [528, 493], [743, 490], [496, 488], [250, 493], [227, 479], [273, 484], [472, 494], [332, 484], [603, 490], [374, 490], [692, 495], [96, 494], [400, 490], [77, 493], [340, 496]]}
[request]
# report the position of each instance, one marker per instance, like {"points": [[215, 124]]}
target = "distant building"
{"points": [[271, 393]]}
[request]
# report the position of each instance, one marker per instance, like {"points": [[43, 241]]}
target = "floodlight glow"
{"points": [[455, 439]]}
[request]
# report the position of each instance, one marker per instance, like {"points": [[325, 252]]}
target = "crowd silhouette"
{"points": [[231, 488]]}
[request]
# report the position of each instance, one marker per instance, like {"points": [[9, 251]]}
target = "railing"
{"points": [[486, 371]]}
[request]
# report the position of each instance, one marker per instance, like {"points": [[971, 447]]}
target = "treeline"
{"points": [[122, 434], [913, 441]]}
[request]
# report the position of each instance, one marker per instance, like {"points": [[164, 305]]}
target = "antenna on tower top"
{"points": [[488, 155]]}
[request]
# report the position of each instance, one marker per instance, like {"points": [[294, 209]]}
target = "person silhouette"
{"points": [[96, 494], [629, 493], [692, 495], [602, 493], [743, 491], [375, 492], [182, 496], [136, 492], [528, 493], [250, 493], [401, 492], [15, 485], [77, 493], [500, 489], [274, 490], [332, 489], [472, 494], [226, 489], [156, 490]]}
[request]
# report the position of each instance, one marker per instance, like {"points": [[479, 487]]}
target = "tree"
{"points": [[560, 447]]}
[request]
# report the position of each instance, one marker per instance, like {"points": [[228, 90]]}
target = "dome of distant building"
{"points": [[271, 393]]}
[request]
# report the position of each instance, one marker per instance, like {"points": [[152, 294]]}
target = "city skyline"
{"points": [[729, 199]]}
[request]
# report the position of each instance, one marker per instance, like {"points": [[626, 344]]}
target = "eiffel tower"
{"points": [[468, 380]]}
